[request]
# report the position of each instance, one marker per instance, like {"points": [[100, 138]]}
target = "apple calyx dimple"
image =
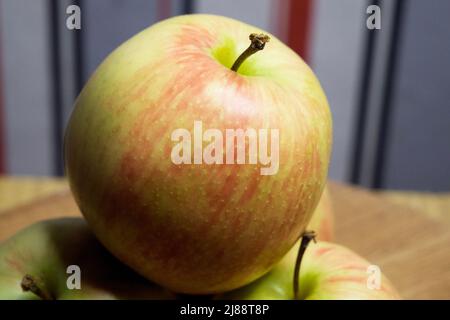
{"points": [[29, 283], [258, 42], [307, 236]]}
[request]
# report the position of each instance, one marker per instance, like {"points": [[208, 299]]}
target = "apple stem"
{"points": [[306, 239], [29, 283], [258, 41]]}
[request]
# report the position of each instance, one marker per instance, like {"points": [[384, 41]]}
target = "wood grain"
{"points": [[19, 190], [59, 204], [410, 247]]}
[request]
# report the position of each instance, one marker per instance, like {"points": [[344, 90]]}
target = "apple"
{"points": [[195, 161], [322, 221], [35, 261], [328, 272]]}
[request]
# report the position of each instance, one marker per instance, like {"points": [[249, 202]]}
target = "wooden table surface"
{"points": [[406, 234]]}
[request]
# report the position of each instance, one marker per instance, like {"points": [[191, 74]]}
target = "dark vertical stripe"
{"points": [[188, 6], [2, 119], [56, 87], [388, 89], [299, 26], [363, 101], [78, 51]]}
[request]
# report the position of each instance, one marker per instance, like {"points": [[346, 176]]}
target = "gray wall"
{"points": [[417, 151], [106, 24], [418, 154], [27, 86], [255, 12], [337, 43]]}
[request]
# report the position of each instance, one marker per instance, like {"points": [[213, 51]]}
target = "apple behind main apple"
{"points": [[197, 228], [328, 272], [322, 220], [43, 252]]}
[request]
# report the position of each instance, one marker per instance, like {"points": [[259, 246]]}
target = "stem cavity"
{"points": [[258, 42], [306, 239]]}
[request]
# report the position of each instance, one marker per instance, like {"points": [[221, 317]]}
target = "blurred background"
{"points": [[389, 89]]}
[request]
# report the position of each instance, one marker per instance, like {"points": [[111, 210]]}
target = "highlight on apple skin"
{"points": [[42, 252], [187, 227], [328, 272]]}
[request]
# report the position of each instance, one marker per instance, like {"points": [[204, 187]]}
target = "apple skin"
{"points": [[328, 272], [199, 228], [322, 221], [44, 250]]}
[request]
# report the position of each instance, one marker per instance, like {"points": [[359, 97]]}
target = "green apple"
{"points": [[34, 265], [197, 176], [328, 272], [322, 221]]}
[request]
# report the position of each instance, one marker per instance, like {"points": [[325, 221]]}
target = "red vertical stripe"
{"points": [[164, 8], [299, 26], [280, 18], [2, 121]]}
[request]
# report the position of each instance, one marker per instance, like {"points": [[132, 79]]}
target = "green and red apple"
{"points": [[212, 221], [42, 253], [328, 272], [34, 265]]}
